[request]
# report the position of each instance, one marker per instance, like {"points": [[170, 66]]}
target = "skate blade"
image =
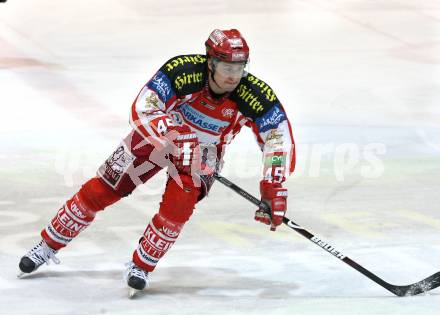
{"points": [[21, 275], [132, 293]]}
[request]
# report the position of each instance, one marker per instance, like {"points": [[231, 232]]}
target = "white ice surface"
{"points": [[357, 78]]}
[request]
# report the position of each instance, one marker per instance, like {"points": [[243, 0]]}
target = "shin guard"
{"points": [[158, 238], [77, 213]]}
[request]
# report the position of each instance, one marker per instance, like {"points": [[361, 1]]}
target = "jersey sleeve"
{"points": [[270, 125], [273, 131], [148, 114]]}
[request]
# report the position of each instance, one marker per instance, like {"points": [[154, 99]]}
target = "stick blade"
{"points": [[423, 286]]}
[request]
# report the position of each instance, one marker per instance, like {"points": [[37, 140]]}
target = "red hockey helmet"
{"points": [[227, 45]]}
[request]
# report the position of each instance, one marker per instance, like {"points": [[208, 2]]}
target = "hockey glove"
{"points": [[276, 197], [186, 153]]}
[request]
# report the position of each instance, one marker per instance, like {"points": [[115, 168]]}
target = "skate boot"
{"points": [[37, 256], [137, 278]]}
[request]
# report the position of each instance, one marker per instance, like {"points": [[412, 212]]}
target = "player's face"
{"points": [[227, 76]]}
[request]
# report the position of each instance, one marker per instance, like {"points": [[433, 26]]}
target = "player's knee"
{"points": [[95, 195], [178, 201]]}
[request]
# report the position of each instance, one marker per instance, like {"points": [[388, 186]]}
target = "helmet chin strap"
{"points": [[215, 82], [213, 72]]}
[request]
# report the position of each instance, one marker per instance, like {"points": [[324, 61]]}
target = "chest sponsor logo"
{"points": [[162, 85], [207, 105], [271, 119], [201, 120]]}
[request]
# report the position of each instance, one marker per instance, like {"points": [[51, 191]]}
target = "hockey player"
{"points": [[182, 119]]}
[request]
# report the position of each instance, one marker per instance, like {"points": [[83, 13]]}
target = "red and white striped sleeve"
{"points": [[274, 135], [148, 115]]}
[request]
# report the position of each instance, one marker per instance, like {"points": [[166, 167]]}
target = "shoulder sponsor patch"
{"points": [[184, 60], [271, 119], [263, 88], [162, 86], [249, 98], [254, 97]]}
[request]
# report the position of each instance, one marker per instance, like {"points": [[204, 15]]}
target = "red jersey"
{"points": [[178, 94]]}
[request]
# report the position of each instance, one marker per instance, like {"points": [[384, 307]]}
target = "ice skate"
{"points": [[37, 256], [137, 279]]}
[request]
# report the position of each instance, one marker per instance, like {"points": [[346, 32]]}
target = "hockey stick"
{"points": [[424, 285]]}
